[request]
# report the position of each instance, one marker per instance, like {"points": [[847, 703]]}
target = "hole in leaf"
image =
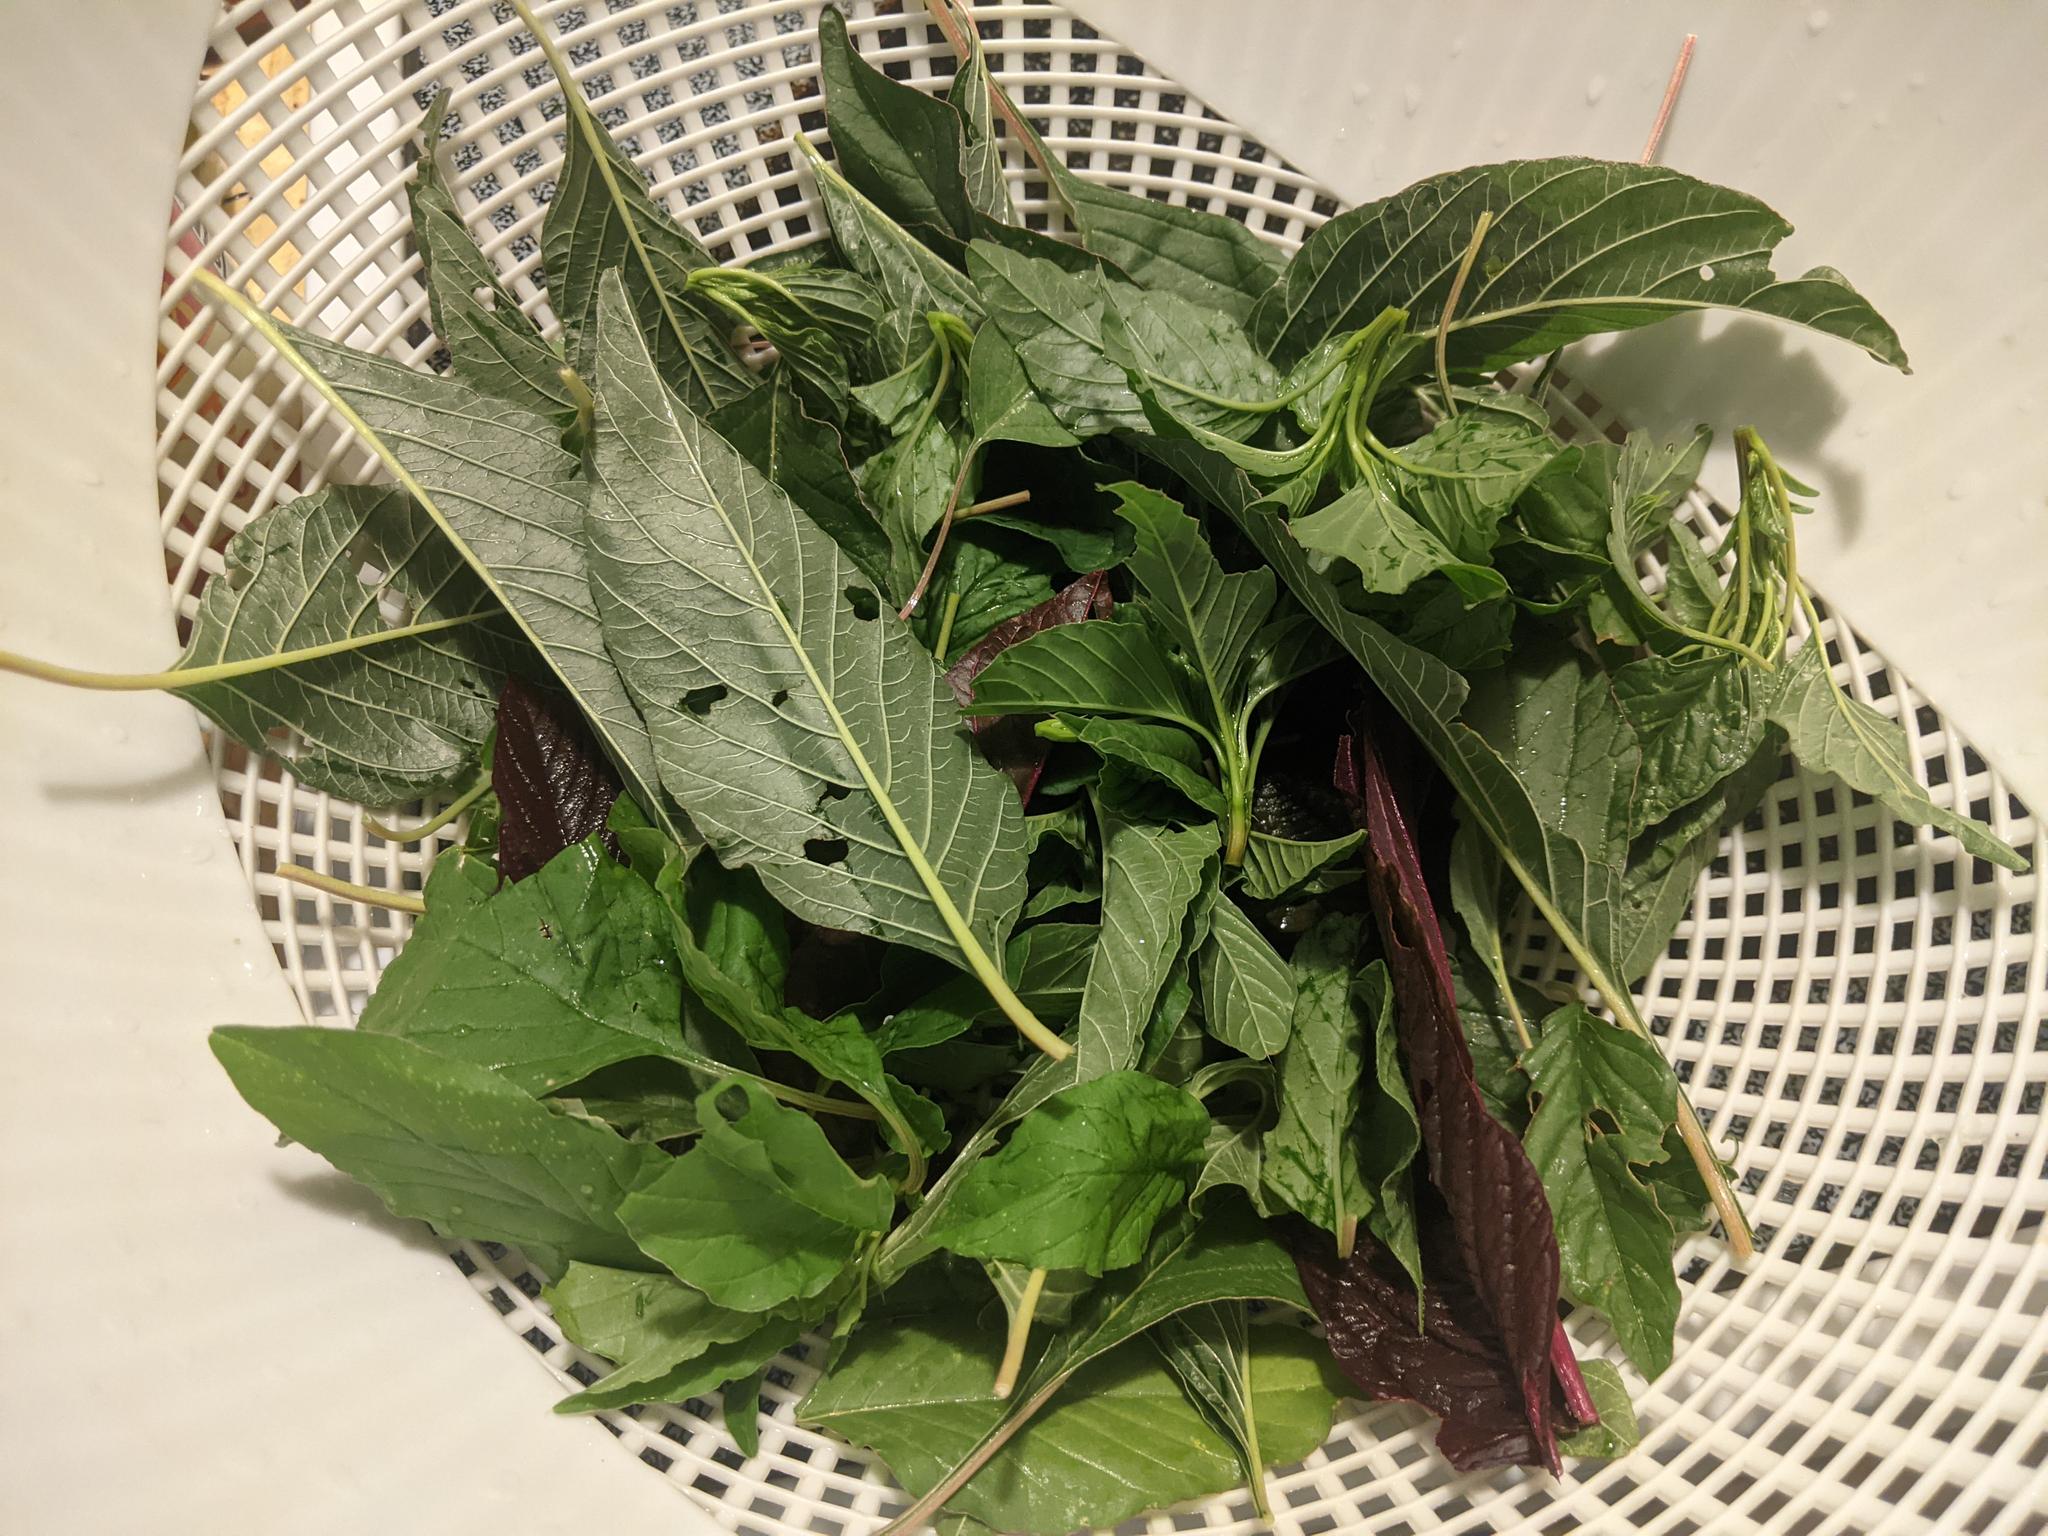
{"points": [[779, 698], [485, 295], [825, 850], [394, 609], [284, 742], [834, 792], [865, 604], [369, 575], [698, 701]]}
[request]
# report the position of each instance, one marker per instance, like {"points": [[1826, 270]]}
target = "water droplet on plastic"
{"points": [[87, 475], [1360, 90], [1457, 46], [1595, 89], [199, 851], [115, 734], [1917, 79], [1817, 20], [1500, 137], [1958, 491], [1411, 100], [1846, 99], [1707, 272]]}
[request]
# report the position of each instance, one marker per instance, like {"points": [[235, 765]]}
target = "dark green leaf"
{"points": [[1277, 866], [1697, 718], [1248, 993], [1312, 1152], [1209, 1351], [1163, 752], [900, 146]]}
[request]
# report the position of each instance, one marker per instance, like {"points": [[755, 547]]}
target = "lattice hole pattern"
{"points": [[1857, 1006]]}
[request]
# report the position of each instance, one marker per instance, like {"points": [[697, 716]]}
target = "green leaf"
{"points": [[761, 1211], [1047, 964], [1152, 877], [1212, 615], [741, 1408], [1053, 321], [1098, 667], [1163, 752], [1697, 719], [1576, 247], [1311, 1162], [909, 274], [491, 341], [652, 1326], [1614, 1242], [1488, 1025], [1058, 1293], [1369, 528], [497, 482], [389, 722], [981, 151], [810, 735], [806, 458], [1001, 404], [443, 1140], [888, 1392], [733, 952], [1278, 866], [1390, 1134], [996, 573], [545, 982], [602, 220], [1248, 991], [1083, 1179], [898, 145], [1652, 479], [1476, 873], [1121, 1439], [1209, 1351], [1833, 733], [1466, 472], [910, 482], [1617, 1433]]}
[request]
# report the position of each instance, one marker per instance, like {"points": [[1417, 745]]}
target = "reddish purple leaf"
{"points": [[554, 786], [1505, 1237], [1008, 741], [1454, 1367]]}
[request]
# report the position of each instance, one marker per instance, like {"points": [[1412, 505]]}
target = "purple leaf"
{"points": [[1505, 1238], [554, 786], [1008, 741], [1454, 1367]]}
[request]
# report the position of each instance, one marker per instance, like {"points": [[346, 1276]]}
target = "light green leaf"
{"points": [[602, 220], [1058, 1292], [1248, 992], [1369, 528], [1576, 247], [491, 341], [805, 457], [1651, 480], [911, 276], [1390, 1135], [1053, 320], [1001, 404], [1083, 1179], [1164, 752], [497, 482], [1122, 1438], [1476, 897], [1465, 473], [1213, 615], [1278, 866], [1311, 1154], [1209, 1351], [1098, 667], [445, 1141], [1697, 719], [1615, 1244], [810, 734], [981, 151], [891, 1392], [1617, 1433], [761, 1211], [1833, 733], [652, 1326], [394, 720]]}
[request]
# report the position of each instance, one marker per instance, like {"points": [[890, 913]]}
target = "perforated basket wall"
{"points": [[1858, 1008]]}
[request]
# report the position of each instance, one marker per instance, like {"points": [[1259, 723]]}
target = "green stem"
{"points": [[222, 671], [952, 611], [1020, 1335], [586, 403], [433, 824], [1443, 326], [993, 504], [348, 890]]}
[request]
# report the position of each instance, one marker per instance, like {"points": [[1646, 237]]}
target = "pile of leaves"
{"points": [[998, 766]]}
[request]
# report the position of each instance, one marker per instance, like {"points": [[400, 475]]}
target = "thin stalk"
{"points": [[432, 824], [993, 504], [1670, 98], [1020, 1335], [347, 890], [952, 611], [221, 671], [931, 561], [1255, 1464], [1443, 325], [817, 1103], [709, 280], [964, 48], [919, 1514]]}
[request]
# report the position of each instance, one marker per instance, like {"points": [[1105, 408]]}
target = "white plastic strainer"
{"points": [[1858, 1008]]}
